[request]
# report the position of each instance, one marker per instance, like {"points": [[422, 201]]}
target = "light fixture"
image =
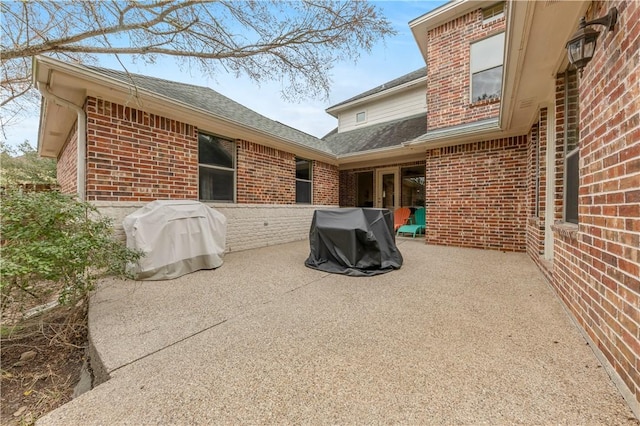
{"points": [[582, 44]]}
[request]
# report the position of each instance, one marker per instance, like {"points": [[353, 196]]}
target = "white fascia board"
{"points": [[421, 25], [105, 86], [376, 96]]}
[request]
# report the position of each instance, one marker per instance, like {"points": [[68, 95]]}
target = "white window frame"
{"points": [[362, 114], [494, 13], [484, 55]]}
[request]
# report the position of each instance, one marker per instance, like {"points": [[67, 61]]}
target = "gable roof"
{"points": [[208, 99], [382, 135], [407, 78]]}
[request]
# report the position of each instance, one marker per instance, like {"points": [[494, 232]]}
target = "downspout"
{"points": [[81, 172]]}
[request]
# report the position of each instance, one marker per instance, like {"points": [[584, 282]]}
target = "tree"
{"points": [[22, 165], [294, 42]]}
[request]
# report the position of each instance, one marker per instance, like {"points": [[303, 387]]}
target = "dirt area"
{"points": [[41, 363]]}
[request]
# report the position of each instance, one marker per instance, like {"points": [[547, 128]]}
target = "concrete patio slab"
{"points": [[456, 336]]}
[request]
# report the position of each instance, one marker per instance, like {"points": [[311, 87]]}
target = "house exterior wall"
{"points": [[265, 175], [476, 195], [405, 104], [67, 165], [448, 74], [349, 183], [325, 183], [597, 263], [134, 157]]}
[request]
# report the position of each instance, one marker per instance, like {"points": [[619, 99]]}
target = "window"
{"points": [[413, 186], [486, 68], [571, 148], [303, 181], [493, 13], [216, 168], [364, 196], [361, 117]]}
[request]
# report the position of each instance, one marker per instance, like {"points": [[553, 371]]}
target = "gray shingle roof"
{"points": [[422, 72], [383, 135], [209, 100]]}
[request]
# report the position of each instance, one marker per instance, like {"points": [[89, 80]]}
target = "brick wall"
{"points": [[537, 189], [136, 156], [476, 195], [348, 190], [67, 165], [265, 175], [325, 183], [597, 263], [448, 73]]}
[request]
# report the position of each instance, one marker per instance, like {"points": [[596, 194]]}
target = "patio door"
{"points": [[387, 188]]}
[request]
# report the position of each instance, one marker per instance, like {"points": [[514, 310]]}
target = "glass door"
{"points": [[387, 189]]}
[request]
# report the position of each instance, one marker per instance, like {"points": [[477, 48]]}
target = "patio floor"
{"points": [[456, 336]]}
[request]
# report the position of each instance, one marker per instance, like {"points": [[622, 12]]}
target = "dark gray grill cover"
{"points": [[353, 241]]}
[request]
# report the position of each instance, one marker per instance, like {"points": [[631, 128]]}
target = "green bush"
{"points": [[52, 237]]}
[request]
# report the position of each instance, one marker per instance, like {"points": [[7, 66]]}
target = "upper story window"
{"points": [[216, 168], [303, 181], [361, 117], [493, 13], [486, 68]]}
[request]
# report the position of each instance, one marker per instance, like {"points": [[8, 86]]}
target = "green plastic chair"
{"points": [[419, 225]]}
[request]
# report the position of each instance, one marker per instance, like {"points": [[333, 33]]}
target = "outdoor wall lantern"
{"points": [[582, 44]]}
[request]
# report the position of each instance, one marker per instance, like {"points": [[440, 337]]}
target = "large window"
{"points": [[303, 181], [413, 186], [571, 148], [217, 168], [486, 68]]}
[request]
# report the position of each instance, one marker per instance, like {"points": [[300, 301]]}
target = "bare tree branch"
{"points": [[292, 42]]}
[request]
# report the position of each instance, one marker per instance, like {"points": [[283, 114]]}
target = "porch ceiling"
{"points": [[537, 33]]}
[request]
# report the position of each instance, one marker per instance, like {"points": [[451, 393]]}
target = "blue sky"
{"points": [[396, 56]]}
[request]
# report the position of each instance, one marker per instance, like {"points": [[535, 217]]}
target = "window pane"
{"points": [[360, 117], [486, 85], [303, 169], [413, 186], [487, 53], [216, 185], [571, 192], [365, 189], [215, 151], [303, 192]]}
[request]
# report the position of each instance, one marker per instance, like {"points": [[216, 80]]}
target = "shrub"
{"points": [[52, 237]]}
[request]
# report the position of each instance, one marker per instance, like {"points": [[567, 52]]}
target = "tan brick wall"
{"points": [[67, 165], [597, 267], [448, 73], [476, 195]]}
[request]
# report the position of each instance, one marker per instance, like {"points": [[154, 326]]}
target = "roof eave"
{"points": [[110, 84]]}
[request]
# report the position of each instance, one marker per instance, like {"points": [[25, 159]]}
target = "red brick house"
{"points": [[510, 149]]}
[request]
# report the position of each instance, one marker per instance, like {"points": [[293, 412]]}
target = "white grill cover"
{"points": [[177, 237]]}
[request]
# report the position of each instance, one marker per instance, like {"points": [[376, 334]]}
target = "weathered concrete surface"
{"points": [[457, 336]]}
